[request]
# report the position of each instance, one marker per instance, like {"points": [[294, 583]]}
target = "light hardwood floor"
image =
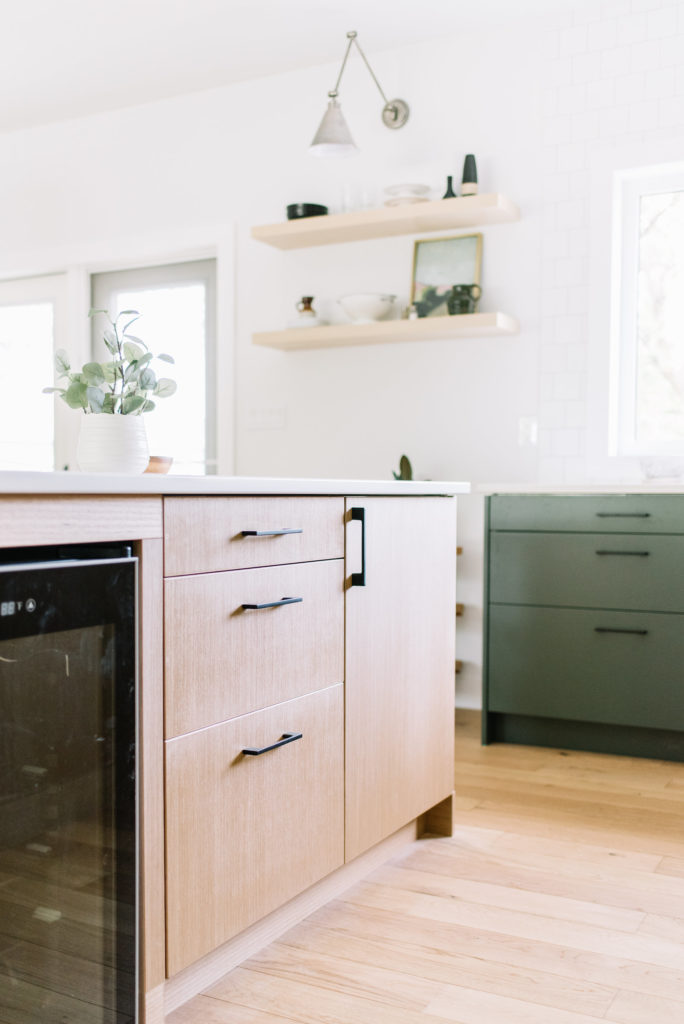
{"points": [[559, 900]]}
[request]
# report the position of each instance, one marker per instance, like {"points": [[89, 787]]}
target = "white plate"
{"points": [[407, 190]]}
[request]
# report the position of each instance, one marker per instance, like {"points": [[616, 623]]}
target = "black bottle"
{"points": [[449, 194], [469, 182]]}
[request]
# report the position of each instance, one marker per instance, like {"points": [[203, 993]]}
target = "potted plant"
{"points": [[113, 395]]}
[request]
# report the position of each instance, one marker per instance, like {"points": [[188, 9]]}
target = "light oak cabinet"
{"points": [[400, 661], [307, 717]]}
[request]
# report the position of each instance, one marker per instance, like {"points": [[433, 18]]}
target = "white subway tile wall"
{"points": [[615, 85]]}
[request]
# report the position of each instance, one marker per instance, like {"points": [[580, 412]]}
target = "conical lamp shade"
{"points": [[333, 137]]}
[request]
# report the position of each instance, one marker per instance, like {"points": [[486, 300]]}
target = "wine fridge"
{"points": [[68, 809]]}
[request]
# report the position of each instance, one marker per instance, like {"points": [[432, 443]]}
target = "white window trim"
{"points": [[629, 187], [80, 261]]}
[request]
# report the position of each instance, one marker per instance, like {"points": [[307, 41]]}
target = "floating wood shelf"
{"points": [[410, 219], [435, 328]]}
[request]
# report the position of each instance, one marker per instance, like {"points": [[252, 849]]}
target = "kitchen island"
{"points": [[308, 622]]}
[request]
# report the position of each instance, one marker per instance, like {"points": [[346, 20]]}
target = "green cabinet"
{"points": [[584, 622]]}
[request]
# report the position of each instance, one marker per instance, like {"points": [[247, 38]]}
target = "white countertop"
{"points": [[644, 487], [155, 483]]}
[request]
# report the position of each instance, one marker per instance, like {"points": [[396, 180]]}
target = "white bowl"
{"points": [[366, 307]]}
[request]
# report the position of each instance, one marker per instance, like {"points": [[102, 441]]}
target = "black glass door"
{"points": [[68, 929]]}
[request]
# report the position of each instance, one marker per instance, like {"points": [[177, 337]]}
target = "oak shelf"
{"points": [[467, 325], [386, 221]]}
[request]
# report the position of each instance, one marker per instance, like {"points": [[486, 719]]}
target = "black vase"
{"points": [[449, 194]]}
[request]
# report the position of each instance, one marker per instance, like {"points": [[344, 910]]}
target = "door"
{"points": [[400, 661]]}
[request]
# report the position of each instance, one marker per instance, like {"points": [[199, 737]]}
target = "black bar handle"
{"points": [[287, 737], [623, 515], [635, 554], [607, 629], [268, 533], [358, 579], [273, 604]]}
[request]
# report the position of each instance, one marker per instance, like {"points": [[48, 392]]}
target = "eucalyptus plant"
{"points": [[123, 384]]}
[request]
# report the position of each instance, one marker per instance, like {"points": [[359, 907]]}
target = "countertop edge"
{"points": [[36, 483]]}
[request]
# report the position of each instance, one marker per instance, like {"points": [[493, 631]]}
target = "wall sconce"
{"points": [[333, 137]]}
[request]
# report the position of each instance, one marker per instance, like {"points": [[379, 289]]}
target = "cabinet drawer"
{"points": [[247, 833], [555, 663], [209, 534], [609, 513], [223, 660], [588, 570]]}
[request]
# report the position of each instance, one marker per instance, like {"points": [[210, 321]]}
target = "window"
{"points": [[32, 312], [177, 305], [648, 356]]}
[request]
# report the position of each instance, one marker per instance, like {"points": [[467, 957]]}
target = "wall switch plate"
{"points": [[528, 431]]}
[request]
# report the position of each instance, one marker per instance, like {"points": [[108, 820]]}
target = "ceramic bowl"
{"points": [[366, 307]]}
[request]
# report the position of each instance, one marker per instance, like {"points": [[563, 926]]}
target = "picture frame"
{"points": [[438, 265]]}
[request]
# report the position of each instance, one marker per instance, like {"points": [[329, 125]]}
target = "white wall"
{"points": [[550, 108]]}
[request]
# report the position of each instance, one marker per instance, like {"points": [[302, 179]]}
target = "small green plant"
{"points": [[124, 384]]}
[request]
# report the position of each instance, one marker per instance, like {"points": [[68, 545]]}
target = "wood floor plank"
{"points": [[469, 1007], [644, 1009], [664, 926], [506, 897], [671, 866], [589, 938], [207, 1010], [307, 1003], [440, 963], [644, 892], [495, 948]]}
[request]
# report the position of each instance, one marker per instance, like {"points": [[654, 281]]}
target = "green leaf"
{"points": [[93, 374], [138, 341], [132, 404], [128, 312], [111, 341], [148, 406], [96, 399], [110, 371], [92, 312], [132, 352], [166, 359], [165, 387], [53, 391], [147, 379], [108, 405], [126, 326], [62, 364], [76, 395], [132, 372]]}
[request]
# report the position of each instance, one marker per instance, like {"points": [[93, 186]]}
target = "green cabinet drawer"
{"points": [[608, 513], [588, 570], [619, 668]]}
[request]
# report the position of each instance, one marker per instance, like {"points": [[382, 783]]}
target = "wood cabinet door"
{"points": [[400, 662], [247, 832]]}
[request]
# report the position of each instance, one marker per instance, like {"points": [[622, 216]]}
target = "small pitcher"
{"points": [[305, 309], [463, 298]]}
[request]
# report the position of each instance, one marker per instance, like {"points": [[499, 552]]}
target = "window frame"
{"points": [[205, 270], [629, 187]]}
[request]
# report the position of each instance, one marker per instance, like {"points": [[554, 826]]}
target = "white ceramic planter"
{"points": [[112, 444]]}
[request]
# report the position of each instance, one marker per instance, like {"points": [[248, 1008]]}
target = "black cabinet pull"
{"points": [[607, 629], [623, 515], [268, 533], [287, 737], [635, 554], [358, 579], [273, 604]]}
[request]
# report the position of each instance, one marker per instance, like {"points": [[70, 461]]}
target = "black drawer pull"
{"points": [[287, 737], [358, 579], [268, 533], [635, 554], [273, 604], [607, 629], [623, 515]]}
